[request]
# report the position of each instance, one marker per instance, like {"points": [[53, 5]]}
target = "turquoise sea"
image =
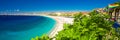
{"points": [[24, 27]]}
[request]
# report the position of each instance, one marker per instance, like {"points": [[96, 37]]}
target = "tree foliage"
{"points": [[96, 26], [43, 37]]}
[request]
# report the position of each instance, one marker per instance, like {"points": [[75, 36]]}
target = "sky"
{"points": [[52, 5]]}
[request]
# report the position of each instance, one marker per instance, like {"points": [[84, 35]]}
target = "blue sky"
{"points": [[50, 5]]}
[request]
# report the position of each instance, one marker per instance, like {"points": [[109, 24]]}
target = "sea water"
{"points": [[21, 27]]}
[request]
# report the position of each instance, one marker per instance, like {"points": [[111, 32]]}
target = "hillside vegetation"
{"points": [[94, 26]]}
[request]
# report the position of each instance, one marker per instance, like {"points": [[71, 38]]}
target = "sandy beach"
{"points": [[59, 25]]}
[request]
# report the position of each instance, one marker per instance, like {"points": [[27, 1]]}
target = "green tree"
{"points": [[96, 26], [43, 37], [93, 27]]}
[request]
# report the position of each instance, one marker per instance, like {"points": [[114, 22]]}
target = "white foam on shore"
{"points": [[59, 25]]}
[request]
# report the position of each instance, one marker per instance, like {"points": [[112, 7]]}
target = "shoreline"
{"points": [[59, 24], [57, 27]]}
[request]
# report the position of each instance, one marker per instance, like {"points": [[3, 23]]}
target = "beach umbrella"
{"points": [[113, 5]]}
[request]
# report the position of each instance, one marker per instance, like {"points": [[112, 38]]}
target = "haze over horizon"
{"points": [[53, 5]]}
